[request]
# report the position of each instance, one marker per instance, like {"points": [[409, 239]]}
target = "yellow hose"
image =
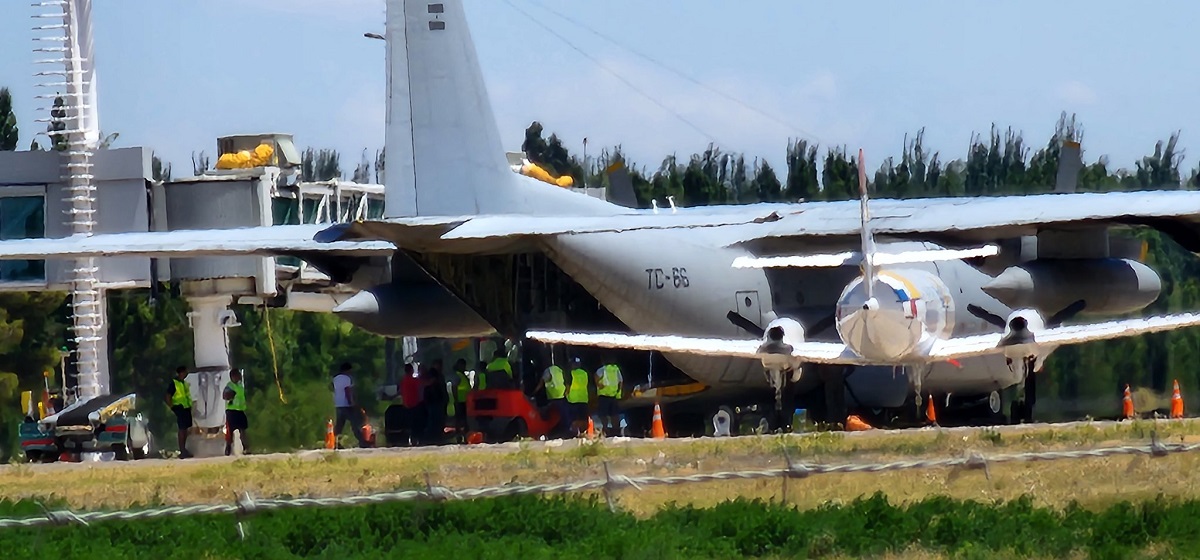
{"points": [[274, 359]]}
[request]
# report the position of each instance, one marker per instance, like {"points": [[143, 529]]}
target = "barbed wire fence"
{"points": [[246, 505]]}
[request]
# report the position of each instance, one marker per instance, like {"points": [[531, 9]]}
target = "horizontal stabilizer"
{"points": [[855, 257]]}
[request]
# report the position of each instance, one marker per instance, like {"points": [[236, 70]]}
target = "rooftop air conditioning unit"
{"points": [[284, 154]]}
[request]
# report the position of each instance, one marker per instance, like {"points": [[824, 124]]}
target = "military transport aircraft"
{"points": [[916, 318]]}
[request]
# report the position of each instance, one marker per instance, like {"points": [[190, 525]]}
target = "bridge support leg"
{"points": [[210, 318]]}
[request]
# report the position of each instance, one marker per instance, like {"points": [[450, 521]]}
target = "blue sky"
{"points": [[175, 75]]}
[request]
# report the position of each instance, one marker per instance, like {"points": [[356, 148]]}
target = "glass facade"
{"points": [[285, 211], [22, 217], [374, 209]]}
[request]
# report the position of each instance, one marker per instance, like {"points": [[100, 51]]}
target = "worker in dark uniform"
{"points": [[235, 411], [179, 398], [462, 386], [435, 400]]}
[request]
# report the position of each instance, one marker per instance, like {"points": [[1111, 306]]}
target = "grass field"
{"points": [[1091, 482]]}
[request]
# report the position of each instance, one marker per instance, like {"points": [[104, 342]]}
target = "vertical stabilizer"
{"points": [[444, 154], [868, 236], [1070, 163]]}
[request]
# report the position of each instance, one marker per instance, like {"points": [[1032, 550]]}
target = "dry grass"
{"points": [[1092, 482]]}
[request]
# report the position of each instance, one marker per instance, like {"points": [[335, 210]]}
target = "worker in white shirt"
{"points": [[344, 404]]}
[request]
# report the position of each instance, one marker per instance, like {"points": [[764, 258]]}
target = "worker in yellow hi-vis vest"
{"points": [[555, 382], [235, 412], [609, 385], [577, 396], [499, 373], [179, 398]]}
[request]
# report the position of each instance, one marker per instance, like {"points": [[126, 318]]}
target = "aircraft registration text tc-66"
{"points": [[659, 278]]}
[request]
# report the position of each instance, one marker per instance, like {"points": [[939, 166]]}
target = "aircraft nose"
{"points": [[363, 302]]}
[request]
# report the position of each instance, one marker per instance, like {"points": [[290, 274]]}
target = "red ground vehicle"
{"points": [[505, 414]]}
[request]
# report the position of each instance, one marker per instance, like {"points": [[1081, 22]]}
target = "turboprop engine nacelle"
{"points": [[422, 310], [779, 339], [1020, 336]]}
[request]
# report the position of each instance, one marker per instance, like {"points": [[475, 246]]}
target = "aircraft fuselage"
{"points": [[682, 282]]}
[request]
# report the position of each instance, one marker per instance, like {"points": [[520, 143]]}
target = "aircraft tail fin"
{"points": [[444, 153], [620, 185], [1070, 163], [868, 236]]}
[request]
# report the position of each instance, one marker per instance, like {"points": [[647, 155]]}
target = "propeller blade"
{"points": [[745, 324], [1066, 313], [820, 326], [985, 315]]}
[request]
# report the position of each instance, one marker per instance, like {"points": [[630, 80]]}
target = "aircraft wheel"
{"points": [[756, 423], [516, 429], [995, 403], [723, 422], [143, 451], [764, 426]]}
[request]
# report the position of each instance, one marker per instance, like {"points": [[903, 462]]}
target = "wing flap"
{"points": [[1074, 334], [820, 352], [264, 241], [984, 217], [978, 345]]}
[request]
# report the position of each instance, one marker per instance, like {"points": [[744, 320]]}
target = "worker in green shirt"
{"points": [[499, 372], [609, 388], [555, 382], [235, 411], [179, 398], [578, 396]]}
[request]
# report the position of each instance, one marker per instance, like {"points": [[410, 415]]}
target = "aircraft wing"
{"points": [[837, 353], [966, 218], [818, 352], [1072, 334], [987, 218], [264, 241], [450, 234]]}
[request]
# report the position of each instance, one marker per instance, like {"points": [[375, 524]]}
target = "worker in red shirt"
{"points": [[411, 389]]}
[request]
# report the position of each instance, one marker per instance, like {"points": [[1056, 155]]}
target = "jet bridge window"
{"points": [[22, 217], [374, 209], [285, 211]]}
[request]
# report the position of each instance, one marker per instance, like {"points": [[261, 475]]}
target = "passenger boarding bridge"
{"points": [[35, 200], [257, 183]]}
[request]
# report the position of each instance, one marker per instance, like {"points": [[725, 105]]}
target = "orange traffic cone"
{"points": [[930, 413], [591, 429], [368, 434], [656, 424], [1127, 404], [1176, 402], [330, 439], [857, 424]]}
